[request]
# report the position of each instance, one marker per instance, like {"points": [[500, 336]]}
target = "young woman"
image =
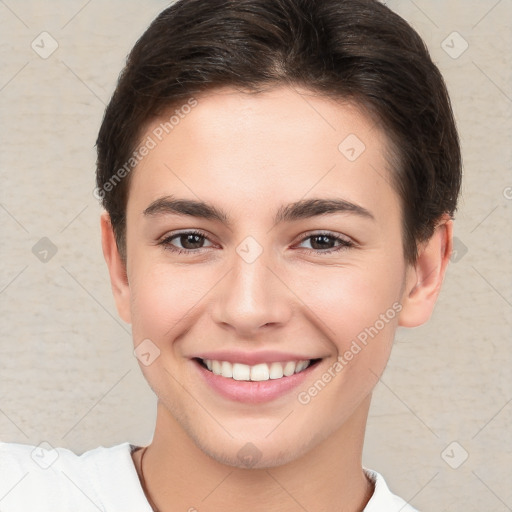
{"points": [[279, 179]]}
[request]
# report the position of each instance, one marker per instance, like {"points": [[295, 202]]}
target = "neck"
{"points": [[180, 476]]}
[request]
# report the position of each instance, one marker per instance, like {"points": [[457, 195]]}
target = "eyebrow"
{"points": [[305, 208]]}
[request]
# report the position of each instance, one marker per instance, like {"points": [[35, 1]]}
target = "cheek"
{"points": [[348, 300], [161, 298], [358, 309]]}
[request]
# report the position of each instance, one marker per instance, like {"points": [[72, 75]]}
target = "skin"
{"points": [[249, 155]]}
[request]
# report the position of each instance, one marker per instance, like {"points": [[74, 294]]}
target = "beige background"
{"points": [[68, 375]]}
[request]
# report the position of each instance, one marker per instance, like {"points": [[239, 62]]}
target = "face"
{"points": [[262, 236]]}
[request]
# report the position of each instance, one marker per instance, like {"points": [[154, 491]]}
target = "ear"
{"points": [[116, 268], [424, 279]]}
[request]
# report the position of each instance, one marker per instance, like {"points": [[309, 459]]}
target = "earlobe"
{"points": [[116, 268], [424, 279]]}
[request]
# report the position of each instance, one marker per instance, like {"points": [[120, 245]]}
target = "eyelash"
{"points": [[344, 243]]}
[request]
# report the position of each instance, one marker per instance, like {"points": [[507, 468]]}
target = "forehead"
{"points": [[282, 143]]}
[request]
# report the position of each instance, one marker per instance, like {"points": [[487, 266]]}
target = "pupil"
{"points": [[190, 239], [324, 238]]}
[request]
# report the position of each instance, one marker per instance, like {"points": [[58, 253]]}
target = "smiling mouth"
{"points": [[258, 372]]}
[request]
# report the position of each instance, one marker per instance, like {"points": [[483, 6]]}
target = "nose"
{"points": [[252, 296]]}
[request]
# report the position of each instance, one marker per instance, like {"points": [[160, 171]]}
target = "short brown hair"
{"points": [[357, 50]]}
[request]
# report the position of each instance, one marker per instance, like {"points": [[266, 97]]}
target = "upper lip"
{"points": [[253, 358]]}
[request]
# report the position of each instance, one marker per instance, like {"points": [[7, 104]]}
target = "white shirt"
{"points": [[103, 479]]}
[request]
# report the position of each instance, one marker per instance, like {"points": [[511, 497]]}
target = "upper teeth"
{"points": [[262, 371]]}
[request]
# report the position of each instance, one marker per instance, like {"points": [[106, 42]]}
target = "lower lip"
{"points": [[253, 392]]}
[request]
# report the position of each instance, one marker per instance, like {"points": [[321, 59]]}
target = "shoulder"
{"points": [[383, 500], [42, 478]]}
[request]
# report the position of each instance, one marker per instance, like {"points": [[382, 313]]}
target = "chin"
{"points": [[255, 453], [249, 456]]}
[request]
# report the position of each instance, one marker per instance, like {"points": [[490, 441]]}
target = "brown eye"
{"points": [[322, 242], [186, 241], [325, 243], [191, 241]]}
